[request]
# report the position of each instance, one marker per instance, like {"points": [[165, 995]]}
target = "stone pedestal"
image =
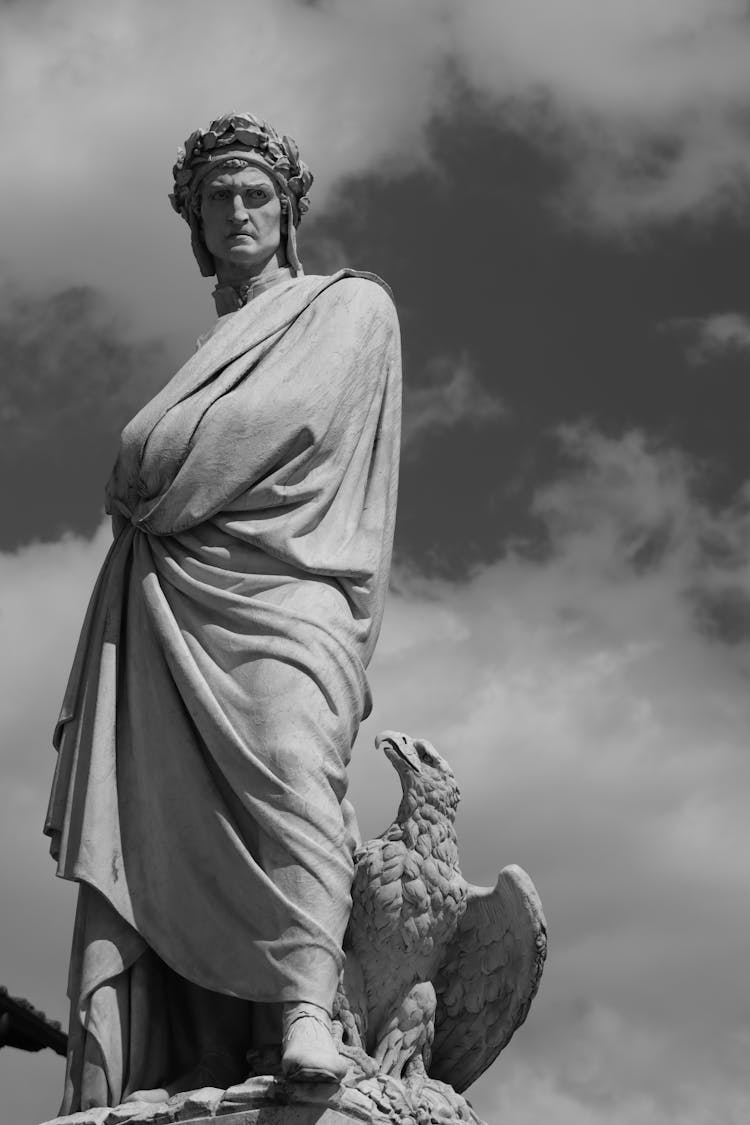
{"points": [[259, 1101], [269, 1100]]}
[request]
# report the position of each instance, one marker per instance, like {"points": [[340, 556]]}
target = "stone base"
{"points": [[270, 1100], [265, 1101]]}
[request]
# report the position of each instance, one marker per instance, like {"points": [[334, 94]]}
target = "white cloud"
{"points": [[44, 590], [597, 723], [449, 394], [599, 734], [710, 337], [98, 97], [644, 103]]}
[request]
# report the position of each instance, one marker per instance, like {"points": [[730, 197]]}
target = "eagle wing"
{"points": [[488, 977]]}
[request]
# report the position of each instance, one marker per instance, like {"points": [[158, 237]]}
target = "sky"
{"points": [[559, 196]]}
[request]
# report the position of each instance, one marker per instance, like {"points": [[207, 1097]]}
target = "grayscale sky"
{"points": [[559, 196]]}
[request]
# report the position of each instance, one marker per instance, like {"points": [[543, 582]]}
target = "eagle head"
{"points": [[424, 774]]}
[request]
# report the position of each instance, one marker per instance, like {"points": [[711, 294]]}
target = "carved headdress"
{"points": [[237, 140]]}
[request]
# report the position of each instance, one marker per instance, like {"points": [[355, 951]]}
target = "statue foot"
{"points": [[218, 1067], [309, 1051], [157, 1096]]}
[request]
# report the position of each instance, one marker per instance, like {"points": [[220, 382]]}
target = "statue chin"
{"points": [[242, 264]]}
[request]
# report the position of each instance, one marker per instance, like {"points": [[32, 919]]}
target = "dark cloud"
{"points": [[599, 736], [70, 378], [709, 338], [559, 326], [449, 394], [724, 613]]}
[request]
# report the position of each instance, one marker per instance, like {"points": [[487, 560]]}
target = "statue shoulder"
{"points": [[362, 294]]}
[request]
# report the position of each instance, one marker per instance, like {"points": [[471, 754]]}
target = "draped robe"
{"points": [[218, 685]]}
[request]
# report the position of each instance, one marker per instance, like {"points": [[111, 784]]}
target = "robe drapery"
{"points": [[219, 682]]}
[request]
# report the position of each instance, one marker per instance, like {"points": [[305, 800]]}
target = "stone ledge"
{"points": [[278, 1115], [259, 1101]]}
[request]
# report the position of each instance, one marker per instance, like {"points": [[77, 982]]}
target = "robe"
{"points": [[219, 681]]}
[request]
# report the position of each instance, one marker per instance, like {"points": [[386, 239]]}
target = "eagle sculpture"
{"points": [[438, 973]]}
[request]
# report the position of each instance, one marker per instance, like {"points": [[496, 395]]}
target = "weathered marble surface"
{"points": [[254, 501], [199, 799], [270, 1100], [439, 973], [439, 976]]}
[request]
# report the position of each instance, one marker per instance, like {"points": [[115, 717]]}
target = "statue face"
{"points": [[241, 216]]}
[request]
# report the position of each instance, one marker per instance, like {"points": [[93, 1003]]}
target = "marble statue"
{"points": [[438, 976], [237, 952], [439, 973], [199, 799]]}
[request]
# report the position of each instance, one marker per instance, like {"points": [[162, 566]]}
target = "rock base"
{"points": [[270, 1100], [265, 1101]]}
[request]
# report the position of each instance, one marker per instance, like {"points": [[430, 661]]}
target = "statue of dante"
{"points": [[199, 799]]}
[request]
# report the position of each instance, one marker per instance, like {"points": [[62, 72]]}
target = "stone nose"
{"points": [[238, 212]]}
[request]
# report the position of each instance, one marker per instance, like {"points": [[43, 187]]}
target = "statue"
{"points": [[232, 938], [439, 973]]}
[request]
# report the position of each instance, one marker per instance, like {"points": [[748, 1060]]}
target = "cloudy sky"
{"points": [[559, 195]]}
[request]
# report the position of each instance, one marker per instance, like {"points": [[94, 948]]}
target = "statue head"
{"points": [[235, 151]]}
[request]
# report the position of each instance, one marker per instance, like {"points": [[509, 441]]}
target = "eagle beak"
{"points": [[397, 746]]}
